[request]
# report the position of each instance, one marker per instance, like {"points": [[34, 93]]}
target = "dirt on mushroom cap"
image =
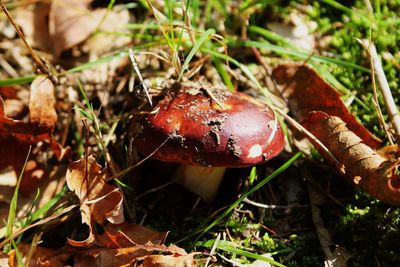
{"points": [[200, 132]]}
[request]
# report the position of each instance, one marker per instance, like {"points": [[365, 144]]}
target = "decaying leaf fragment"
{"points": [[16, 136], [119, 243], [317, 105], [41, 103], [71, 22], [373, 173], [137, 255], [128, 234], [100, 202], [306, 91]]}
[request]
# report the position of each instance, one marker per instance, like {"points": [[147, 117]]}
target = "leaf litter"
{"points": [[318, 107], [110, 239]]}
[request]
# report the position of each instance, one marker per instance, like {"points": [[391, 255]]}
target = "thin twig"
{"points": [[41, 222], [260, 60], [384, 85], [136, 68], [212, 96], [155, 189], [266, 206], [385, 90], [130, 168], [35, 57], [335, 256], [310, 136], [213, 248], [376, 103]]}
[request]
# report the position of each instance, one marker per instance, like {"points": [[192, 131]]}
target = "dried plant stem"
{"points": [[136, 68], [42, 67], [310, 136], [384, 85], [335, 256], [385, 90], [381, 119]]}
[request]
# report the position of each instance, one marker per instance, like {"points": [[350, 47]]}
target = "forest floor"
{"points": [[77, 77]]}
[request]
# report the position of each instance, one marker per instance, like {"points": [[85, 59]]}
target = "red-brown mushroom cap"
{"points": [[200, 132]]}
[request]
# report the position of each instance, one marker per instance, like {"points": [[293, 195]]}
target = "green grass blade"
{"points": [[253, 175], [224, 74], [28, 216], [16, 81], [243, 67], [231, 248], [14, 201], [345, 9], [204, 37], [88, 65], [270, 35], [195, 12], [250, 192], [84, 95], [46, 207], [303, 55], [141, 26], [18, 254]]}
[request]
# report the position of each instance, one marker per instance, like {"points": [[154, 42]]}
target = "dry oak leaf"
{"points": [[99, 201], [71, 22], [58, 25], [306, 91], [42, 257], [363, 166], [128, 234], [135, 256], [159, 255]]}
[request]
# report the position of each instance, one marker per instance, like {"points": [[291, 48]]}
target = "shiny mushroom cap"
{"points": [[223, 129]]}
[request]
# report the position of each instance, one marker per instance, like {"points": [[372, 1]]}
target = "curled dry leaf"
{"points": [[306, 91], [319, 107], [128, 234], [362, 165], [135, 255], [118, 243], [99, 201]]}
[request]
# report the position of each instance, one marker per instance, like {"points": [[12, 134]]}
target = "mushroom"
{"points": [[206, 131]]}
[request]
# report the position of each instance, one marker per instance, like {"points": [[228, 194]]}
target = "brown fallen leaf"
{"points": [[306, 91], [99, 201], [4, 259], [169, 261], [135, 256], [43, 257], [71, 22], [34, 22], [128, 234], [118, 243], [362, 165]]}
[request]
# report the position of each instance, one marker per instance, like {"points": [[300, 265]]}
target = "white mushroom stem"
{"points": [[203, 181]]}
